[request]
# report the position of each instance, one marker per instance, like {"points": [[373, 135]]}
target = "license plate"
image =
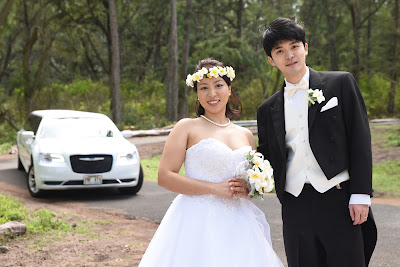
{"points": [[92, 179]]}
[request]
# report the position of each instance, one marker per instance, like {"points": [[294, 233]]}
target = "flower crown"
{"points": [[213, 72]]}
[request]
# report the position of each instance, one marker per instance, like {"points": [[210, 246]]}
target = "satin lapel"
{"points": [[278, 118], [315, 83]]}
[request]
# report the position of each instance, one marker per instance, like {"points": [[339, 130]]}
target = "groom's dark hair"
{"points": [[282, 29]]}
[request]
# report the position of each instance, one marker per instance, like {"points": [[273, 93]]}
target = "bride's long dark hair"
{"points": [[234, 106]]}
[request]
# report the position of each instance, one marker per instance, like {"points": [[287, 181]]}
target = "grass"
{"points": [[150, 168], [386, 135], [386, 179], [43, 226], [5, 147]]}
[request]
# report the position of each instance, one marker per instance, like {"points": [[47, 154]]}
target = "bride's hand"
{"points": [[239, 187], [223, 189]]}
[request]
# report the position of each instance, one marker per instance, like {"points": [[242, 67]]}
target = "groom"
{"points": [[320, 149]]}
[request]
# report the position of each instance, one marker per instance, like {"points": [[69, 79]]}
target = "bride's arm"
{"points": [[171, 162]]}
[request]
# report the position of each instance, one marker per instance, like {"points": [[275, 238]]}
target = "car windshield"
{"points": [[77, 127]]}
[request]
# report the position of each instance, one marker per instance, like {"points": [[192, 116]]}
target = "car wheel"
{"points": [[32, 187], [133, 190], [20, 166]]}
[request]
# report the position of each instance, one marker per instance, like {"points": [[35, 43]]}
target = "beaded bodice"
{"points": [[213, 161]]}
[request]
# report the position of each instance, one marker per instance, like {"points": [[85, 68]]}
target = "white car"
{"points": [[65, 149]]}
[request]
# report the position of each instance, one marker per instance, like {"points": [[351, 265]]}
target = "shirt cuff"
{"points": [[360, 199]]}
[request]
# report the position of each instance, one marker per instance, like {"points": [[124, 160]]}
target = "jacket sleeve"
{"points": [[358, 136], [262, 133]]}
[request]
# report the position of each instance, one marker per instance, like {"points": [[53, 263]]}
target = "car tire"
{"points": [[133, 190], [20, 166], [32, 183]]}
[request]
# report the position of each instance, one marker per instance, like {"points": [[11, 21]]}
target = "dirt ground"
{"points": [[120, 243]]}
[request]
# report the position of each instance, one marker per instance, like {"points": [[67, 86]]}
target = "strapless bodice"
{"points": [[213, 161]]}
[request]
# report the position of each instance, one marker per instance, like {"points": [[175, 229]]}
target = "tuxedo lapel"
{"points": [[278, 118], [315, 83]]}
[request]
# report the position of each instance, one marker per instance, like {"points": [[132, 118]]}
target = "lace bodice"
{"points": [[213, 161]]}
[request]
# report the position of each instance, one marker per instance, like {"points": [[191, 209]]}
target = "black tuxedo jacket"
{"points": [[339, 137]]}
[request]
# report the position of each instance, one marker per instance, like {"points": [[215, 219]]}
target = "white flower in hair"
{"points": [[230, 73], [203, 71], [189, 80]]}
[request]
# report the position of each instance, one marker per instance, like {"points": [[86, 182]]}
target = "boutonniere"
{"points": [[315, 95]]}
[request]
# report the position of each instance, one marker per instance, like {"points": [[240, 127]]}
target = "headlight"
{"points": [[51, 157], [127, 156]]}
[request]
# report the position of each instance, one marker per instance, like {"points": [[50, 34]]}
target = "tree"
{"points": [[172, 74], [395, 57], [4, 11], [356, 9], [185, 58], [115, 64]]}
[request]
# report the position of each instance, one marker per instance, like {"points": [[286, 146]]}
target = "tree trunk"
{"points": [[4, 11], [395, 56], [172, 83], [32, 37], [355, 19], [332, 35], [185, 58], [115, 64]]}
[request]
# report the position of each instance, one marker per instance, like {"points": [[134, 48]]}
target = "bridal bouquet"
{"points": [[258, 172]]}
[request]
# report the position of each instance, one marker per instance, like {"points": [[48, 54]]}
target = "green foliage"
{"points": [[11, 209], [5, 147], [144, 103], [43, 220]]}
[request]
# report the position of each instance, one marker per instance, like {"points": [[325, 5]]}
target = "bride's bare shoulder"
{"points": [[186, 124]]}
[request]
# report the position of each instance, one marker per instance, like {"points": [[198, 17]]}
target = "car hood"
{"points": [[93, 145]]}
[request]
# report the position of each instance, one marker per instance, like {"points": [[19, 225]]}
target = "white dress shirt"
{"points": [[302, 166]]}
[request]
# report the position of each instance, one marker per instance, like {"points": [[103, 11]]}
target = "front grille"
{"points": [[105, 181], [91, 163]]}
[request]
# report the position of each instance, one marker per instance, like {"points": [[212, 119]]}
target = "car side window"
{"points": [[32, 123]]}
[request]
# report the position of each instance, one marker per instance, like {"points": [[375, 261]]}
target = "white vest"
{"points": [[302, 166]]}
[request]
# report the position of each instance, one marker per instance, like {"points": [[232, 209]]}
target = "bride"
{"points": [[211, 222]]}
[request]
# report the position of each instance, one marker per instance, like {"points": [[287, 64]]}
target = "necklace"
{"points": [[213, 122]]}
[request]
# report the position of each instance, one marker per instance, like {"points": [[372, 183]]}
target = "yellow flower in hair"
{"points": [[230, 73], [221, 71], [197, 76], [213, 72]]}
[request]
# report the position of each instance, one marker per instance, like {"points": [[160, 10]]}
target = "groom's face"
{"points": [[290, 58]]}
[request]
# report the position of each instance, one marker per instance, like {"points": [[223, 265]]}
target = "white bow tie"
{"points": [[302, 85]]}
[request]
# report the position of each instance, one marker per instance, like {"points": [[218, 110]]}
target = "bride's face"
{"points": [[213, 94]]}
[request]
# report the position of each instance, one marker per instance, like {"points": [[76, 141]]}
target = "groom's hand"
{"points": [[358, 213]]}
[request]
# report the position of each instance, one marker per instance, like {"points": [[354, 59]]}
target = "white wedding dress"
{"points": [[207, 230]]}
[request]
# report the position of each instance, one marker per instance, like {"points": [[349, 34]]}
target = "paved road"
{"points": [[152, 202]]}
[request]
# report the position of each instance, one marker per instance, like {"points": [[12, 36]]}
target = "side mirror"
{"points": [[127, 133], [28, 134]]}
